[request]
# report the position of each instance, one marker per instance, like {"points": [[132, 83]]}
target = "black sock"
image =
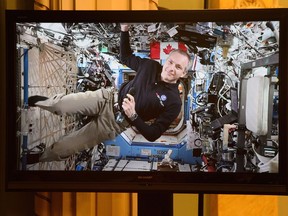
{"points": [[34, 99], [33, 158]]}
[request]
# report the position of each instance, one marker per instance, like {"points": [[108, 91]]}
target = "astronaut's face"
{"points": [[174, 67]]}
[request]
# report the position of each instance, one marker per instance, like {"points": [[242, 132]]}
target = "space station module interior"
{"points": [[229, 116]]}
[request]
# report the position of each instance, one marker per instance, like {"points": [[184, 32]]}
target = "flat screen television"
{"points": [[229, 137]]}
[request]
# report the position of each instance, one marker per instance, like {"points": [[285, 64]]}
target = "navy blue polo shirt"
{"points": [[154, 98]]}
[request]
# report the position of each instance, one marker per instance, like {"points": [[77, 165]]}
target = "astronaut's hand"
{"points": [[124, 27], [128, 105]]}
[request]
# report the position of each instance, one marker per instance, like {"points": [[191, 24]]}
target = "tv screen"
{"points": [[179, 101]]}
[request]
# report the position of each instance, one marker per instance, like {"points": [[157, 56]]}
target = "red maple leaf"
{"points": [[168, 49]]}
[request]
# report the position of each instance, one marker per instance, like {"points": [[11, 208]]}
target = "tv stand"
{"points": [[161, 203]]}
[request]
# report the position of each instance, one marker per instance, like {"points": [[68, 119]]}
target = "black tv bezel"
{"points": [[236, 183]]}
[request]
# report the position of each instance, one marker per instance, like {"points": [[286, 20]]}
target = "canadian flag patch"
{"points": [[161, 50]]}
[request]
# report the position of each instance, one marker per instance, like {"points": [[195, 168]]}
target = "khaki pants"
{"points": [[103, 126]]}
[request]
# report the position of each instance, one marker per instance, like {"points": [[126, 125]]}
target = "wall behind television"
{"points": [[113, 203]]}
